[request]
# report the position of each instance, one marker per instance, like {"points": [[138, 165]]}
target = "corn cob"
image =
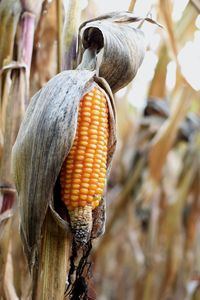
{"points": [[83, 173]]}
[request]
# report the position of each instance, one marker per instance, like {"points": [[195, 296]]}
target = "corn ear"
{"points": [[49, 128], [53, 112], [83, 173]]}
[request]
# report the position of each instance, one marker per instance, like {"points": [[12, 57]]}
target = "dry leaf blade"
{"points": [[118, 47]]}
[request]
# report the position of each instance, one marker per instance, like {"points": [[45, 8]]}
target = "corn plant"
{"points": [[66, 178]]}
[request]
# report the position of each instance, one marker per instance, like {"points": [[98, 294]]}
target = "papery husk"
{"points": [[44, 140], [112, 46]]}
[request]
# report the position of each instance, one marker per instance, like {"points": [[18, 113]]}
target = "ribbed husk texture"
{"points": [[109, 54], [111, 45]]}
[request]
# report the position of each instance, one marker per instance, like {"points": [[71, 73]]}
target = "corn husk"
{"points": [[44, 140], [111, 45]]}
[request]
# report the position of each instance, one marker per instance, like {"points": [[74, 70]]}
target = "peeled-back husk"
{"points": [[43, 142], [111, 45]]}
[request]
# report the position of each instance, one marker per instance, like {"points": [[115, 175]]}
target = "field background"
{"points": [[151, 246]]}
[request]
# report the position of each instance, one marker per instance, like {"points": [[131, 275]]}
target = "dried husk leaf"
{"points": [[167, 135], [113, 47], [44, 140]]}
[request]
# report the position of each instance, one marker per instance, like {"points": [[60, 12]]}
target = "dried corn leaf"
{"points": [[113, 47], [9, 15], [165, 137], [157, 107], [172, 218], [166, 12], [13, 116], [44, 50], [131, 5], [44, 140], [158, 85]]}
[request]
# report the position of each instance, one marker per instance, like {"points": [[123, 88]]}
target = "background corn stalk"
{"points": [[150, 249]]}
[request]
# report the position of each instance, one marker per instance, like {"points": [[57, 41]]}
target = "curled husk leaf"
{"points": [[111, 45], [44, 140]]}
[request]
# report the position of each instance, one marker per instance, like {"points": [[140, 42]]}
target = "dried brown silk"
{"points": [[110, 53]]}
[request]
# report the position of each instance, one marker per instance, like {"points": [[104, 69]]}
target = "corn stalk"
{"points": [[14, 78], [70, 33]]}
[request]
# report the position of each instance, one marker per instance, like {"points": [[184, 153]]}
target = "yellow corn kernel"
{"points": [[82, 176]]}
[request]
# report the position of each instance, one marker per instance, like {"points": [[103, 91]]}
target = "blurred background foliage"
{"points": [[151, 246]]}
